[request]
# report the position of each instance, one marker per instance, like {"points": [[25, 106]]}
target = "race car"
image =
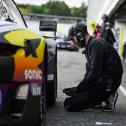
{"points": [[49, 29], [23, 70], [67, 45]]}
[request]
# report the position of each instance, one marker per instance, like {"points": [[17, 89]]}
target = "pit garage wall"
{"points": [[121, 37], [94, 9]]}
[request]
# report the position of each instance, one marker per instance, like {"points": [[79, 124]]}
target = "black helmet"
{"points": [[75, 29], [104, 16], [79, 30]]}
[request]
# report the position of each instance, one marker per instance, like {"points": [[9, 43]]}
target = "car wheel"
{"points": [[52, 86]]}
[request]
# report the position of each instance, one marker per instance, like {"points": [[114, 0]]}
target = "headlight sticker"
{"points": [[3, 10], [36, 90]]}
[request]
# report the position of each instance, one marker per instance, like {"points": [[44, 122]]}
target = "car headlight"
{"points": [[22, 91]]}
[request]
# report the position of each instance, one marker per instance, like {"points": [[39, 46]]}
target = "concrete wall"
{"points": [[62, 29], [94, 9]]}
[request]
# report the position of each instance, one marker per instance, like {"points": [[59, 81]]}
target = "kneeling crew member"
{"points": [[103, 73]]}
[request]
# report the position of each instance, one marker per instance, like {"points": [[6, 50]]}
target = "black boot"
{"points": [[110, 103]]}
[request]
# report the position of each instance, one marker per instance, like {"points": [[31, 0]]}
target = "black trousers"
{"points": [[90, 97], [85, 100]]}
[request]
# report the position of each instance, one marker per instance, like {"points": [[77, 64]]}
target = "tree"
{"points": [[79, 12], [55, 8], [58, 8], [83, 10]]}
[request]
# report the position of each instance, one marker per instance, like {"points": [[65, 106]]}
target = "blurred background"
{"points": [[64, 12]]}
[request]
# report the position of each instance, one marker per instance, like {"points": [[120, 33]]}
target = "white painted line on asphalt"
{"points": [[123, 90], [101, 123]]}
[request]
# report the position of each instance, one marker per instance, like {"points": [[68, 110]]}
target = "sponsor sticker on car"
{"points": [[3, 10], [33, 74], [36, 90]]}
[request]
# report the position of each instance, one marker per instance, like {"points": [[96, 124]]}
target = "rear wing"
{"points": [[48, 26]]}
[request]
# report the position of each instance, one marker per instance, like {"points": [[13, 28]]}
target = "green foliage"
{"points": [[55, 8], [79, 12]]}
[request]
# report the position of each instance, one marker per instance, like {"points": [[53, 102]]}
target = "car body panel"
{"points": [[9, 8], [49, 27], [52, 50], [22, 63], [18, 37]]}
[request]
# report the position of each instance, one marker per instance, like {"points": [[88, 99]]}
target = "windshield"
{"points": [[9, 12]]}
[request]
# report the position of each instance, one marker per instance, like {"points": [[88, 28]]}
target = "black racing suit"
{"points": [[109, 36], [103, 63], [103, 72], [107, 33]]}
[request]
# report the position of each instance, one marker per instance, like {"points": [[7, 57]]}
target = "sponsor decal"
{"points": [[50, 77], [3, 10], [33, 74], [36, 90]]}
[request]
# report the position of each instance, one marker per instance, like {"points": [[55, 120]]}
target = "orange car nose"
{"points": [[27, 69]]}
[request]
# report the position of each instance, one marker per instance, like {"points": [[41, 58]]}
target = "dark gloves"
{"points": [[70, 91]]}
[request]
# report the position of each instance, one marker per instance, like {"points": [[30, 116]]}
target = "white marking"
{"points": [[50, 77], [123, 90], [22, 91], [16, 114], [20, 98], [36, 90], [101, 123]]}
